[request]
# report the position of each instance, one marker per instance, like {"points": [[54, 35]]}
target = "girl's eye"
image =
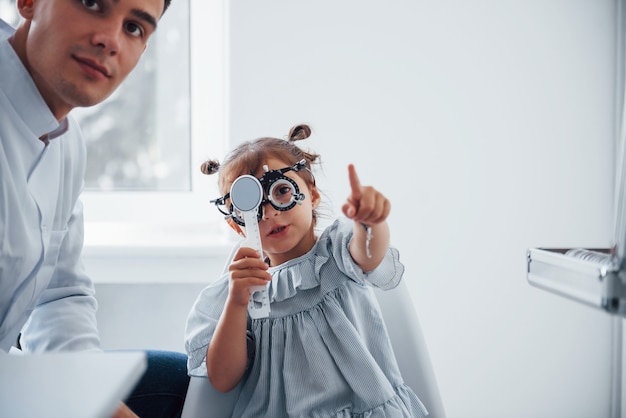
{"points": [[91, 5], [281, 193]]}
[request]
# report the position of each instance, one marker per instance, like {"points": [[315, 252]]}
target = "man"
{"points": [[64, 54]]}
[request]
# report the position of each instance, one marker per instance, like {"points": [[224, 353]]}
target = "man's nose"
{"points": [[107, 35]]}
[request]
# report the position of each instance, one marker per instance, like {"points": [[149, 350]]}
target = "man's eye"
{"points": [[134, 29], [91, 4]]}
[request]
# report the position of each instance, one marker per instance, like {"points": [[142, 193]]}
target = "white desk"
{"points": [[67, 385]]}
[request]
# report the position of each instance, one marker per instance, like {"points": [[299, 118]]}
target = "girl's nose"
{"points": [[268, 210]]}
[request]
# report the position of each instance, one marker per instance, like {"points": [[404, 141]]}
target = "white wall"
{"points": [[490, 125]]}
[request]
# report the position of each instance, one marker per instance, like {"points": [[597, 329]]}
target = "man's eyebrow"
{"points": [[146, 17], [143, 15]]}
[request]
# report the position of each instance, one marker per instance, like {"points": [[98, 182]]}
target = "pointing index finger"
{"points": [[355, 183]]}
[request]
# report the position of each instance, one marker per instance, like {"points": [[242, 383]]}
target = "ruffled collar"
{"points": [[301, 273]]}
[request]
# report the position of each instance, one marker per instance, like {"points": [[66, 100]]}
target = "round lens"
{"points": [[282, 193], [246, 193]]}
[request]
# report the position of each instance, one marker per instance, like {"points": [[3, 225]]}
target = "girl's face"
{"points": [[288, 234]]}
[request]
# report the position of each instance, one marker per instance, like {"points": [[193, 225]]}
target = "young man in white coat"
{"points": [[64, 54]]}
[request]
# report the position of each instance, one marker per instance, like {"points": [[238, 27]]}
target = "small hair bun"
{"points": [[299, 132], [210, 167]]}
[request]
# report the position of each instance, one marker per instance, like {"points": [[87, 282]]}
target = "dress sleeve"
{"points": [[388, 273], [201, 323]]}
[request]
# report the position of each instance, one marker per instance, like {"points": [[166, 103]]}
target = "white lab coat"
{"points": [[43, 287]]}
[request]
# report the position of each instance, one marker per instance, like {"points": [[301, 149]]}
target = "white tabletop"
{"points": [[81, 385]]}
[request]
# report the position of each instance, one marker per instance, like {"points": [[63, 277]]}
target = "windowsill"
{"points": [[167, 240], [146, 254]]}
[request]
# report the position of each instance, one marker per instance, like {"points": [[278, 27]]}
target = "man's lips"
{"points": [[92, 66]]}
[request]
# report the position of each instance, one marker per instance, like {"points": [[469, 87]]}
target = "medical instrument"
{"points": [[282, 193], [593, 276], [246, 195]]}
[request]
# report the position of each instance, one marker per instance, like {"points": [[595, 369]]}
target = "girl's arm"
{"points": [[227, 355], [368, 208], [369, 259]]}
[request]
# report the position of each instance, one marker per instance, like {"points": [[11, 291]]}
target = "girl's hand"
{"points": [[246, 270], [365, 204]]}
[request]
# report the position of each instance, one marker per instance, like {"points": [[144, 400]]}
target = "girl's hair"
{"points": [[249, 157]]}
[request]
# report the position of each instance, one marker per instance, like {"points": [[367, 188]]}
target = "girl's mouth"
{"points": [[277, 230]]}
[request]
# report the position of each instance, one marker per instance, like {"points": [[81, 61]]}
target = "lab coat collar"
{"points": [[17, 84]]}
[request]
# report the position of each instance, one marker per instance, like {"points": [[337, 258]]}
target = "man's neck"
{"points": [[18, 42]]}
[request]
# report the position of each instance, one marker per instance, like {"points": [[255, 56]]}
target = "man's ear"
{"points": [[235, 226], [26, 8]]}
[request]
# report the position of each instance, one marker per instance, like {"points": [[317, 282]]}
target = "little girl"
{"points": [[324, 349]]}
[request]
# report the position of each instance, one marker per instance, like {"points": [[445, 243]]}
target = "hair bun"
{"points": [[299, 132], [210, 167]]}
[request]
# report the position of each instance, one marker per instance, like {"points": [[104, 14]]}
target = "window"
{"points": [[145, 143], [139, 139]]}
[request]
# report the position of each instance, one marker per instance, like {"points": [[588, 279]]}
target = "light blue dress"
{"points": [[324, 351]]}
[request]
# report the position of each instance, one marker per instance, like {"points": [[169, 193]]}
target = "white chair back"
{"points": [[409, 347]]}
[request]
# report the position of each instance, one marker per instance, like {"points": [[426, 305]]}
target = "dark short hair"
{"points": [[166, 5]]}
